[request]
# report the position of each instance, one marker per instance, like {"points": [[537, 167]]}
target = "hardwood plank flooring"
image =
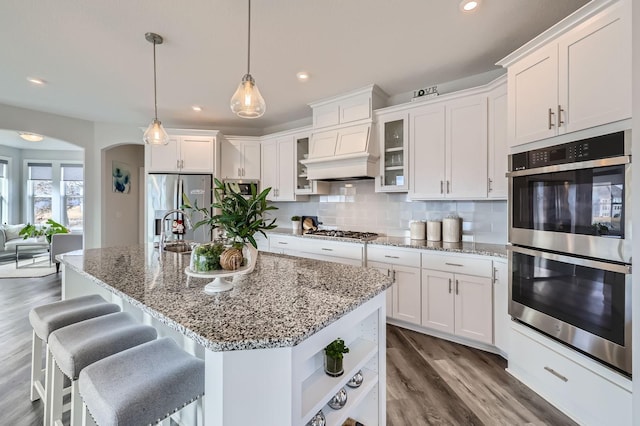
{"points": [[429, 381]]}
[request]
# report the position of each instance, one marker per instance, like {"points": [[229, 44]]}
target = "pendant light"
{"points": [[155, 133], [247, 101]]}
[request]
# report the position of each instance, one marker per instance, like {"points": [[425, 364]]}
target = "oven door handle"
{"points": [[606, 266], [591, 164]]}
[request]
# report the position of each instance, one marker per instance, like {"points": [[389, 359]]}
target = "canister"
{"points": [[417, 230], [452, 229], [434, 230]]}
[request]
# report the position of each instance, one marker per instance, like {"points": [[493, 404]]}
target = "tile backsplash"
{"points": [[357, 207]]}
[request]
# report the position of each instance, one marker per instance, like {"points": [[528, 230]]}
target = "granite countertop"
{"points": [[282, 302], [496, 250]]}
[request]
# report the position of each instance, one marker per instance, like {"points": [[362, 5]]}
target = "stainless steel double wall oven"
{"points": [[570, 252]]}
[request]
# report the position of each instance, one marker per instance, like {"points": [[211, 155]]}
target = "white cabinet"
{"points": [[240, 158], [403, 266], [278, 168], [347, 108], [448, 149], [283, 244], [498, 145], [304, 186], [392, 132], [190, 154], [580, 80], [453, 300], [331, 251], [501, 318]]}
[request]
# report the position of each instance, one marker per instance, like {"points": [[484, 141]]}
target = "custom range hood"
{"points": [[341, 145]]}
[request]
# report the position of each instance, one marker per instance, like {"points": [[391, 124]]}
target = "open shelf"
{"points": [[318, 385], [395, 149], [354, 398], [391, 168]]}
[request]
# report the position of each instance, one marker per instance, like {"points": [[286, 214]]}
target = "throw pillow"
{"points": [[12, 231]]}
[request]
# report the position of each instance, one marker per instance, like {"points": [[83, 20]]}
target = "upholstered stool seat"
{"points": [[47, 318], [81, 344], [142, 385]]}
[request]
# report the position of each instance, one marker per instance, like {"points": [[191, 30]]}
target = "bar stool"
{"points": [[47, 318], [142, 385], [78, 345]]}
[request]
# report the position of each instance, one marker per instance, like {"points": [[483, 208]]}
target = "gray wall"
{"points": [[14, 156]]}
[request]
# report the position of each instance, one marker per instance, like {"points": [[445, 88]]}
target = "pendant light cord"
{"points": [[249, 41], [155, 92]]}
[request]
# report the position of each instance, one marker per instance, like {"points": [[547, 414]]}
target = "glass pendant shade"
{"points": [[155, 134], [247, 102]]}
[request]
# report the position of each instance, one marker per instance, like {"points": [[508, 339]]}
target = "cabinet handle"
{"points": [[550, 116], [381, 180], [457, 286], [177, 164], [243, 171], [560, 111], [453, 264], [555, 373], [489, 182], [239, 172], [282, 242], [394, 276], [448, 187], [449, 285], [442, 187], [495, 275], [388, 272], [326, 249], [391, 257], [182, 164]]}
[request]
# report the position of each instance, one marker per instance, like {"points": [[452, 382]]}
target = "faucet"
{"points": [[163, 235]]}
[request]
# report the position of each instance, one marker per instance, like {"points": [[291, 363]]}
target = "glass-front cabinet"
{"points": [[393, 133], [304, 186]]}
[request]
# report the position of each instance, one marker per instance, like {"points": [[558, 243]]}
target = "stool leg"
{"points": [[76, 405], [199, 418], [50, 364], [36, 368], [87, 420], [56, 394]]}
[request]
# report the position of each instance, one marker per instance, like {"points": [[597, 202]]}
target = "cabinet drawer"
{"points": [[457, 264], [588, 397], [332, 248], [385, 254], [280, 242]]}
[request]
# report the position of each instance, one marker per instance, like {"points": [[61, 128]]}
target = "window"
{"points": [[4, 191], [72, 192], [40, 192]]}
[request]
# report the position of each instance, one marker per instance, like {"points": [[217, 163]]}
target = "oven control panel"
{"points": [[606, 146]]}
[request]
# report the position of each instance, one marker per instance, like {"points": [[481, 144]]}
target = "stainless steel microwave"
{"points": [[241, 186]]}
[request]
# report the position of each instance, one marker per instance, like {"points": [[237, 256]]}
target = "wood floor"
{"points": [[429, 381]]}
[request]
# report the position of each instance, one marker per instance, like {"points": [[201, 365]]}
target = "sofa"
{"points": [[9, 237]]}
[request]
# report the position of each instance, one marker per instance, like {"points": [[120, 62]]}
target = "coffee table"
{"points": [[30, 246]]}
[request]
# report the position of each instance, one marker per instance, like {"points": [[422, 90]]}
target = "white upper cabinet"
{"points": [[347, 108], [240, 159], [183, 154], [278, 168], [579, 80], [448, 149], [498, 146], [392, 134], [304, 186]]}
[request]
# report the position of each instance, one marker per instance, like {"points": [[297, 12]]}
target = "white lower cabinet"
{"points": [[332, 251], [283, 244], [501, 317]]}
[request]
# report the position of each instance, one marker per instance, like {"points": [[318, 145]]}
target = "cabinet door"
{"points": [[474, 308], [406, 298], [427, 152], [286, 169], [498, 148], [164, 158], [466, 148], [231, 160], [269, 176], [595, 71], [251, 160], [437, 300], [501, 318], [385, 269], [533, 96], [196, 154], [392, 132]]}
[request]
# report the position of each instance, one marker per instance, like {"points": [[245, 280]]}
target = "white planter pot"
{"points": [[295, 225]]}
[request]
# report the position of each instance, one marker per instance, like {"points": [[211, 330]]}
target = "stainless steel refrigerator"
{"points": [[164, 193]]}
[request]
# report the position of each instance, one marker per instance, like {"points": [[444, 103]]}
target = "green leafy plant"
{"points": [[239, 217], [336, 349], [295, 218], [206, 257], [48, 229]]}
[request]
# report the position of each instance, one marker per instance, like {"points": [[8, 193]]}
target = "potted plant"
{"points": [[43, 232], [333, 355], [295, 223], [238, 218]]}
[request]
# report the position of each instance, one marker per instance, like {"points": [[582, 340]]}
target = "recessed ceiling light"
{"points": [[469, 5], [303, 76], [37, 81], [196, 108], [31, 137]]}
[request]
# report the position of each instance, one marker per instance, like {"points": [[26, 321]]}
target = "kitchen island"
{"points": [[263, 341]]}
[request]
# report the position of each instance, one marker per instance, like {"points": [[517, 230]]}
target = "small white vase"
{"points": [[295, 226]]}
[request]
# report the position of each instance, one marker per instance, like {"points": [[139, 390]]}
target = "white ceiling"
{"points": [[98, 65]]}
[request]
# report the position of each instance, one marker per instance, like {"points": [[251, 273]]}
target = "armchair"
{"points": [[63, 243]]}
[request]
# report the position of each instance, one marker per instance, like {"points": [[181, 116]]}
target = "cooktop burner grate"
{"points": [[365, 236]]}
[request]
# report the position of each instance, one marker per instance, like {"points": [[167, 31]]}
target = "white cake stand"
{"points": [[220, 284]]}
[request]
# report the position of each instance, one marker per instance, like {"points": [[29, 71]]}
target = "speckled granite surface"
{"points": [[497, 250], [282, 302]]}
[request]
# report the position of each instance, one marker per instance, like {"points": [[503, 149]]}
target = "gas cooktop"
{"points": [[363, 236]]}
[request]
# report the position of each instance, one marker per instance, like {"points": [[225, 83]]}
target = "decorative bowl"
{"points": [[339, 400], [356, 380], [317, 420]]}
